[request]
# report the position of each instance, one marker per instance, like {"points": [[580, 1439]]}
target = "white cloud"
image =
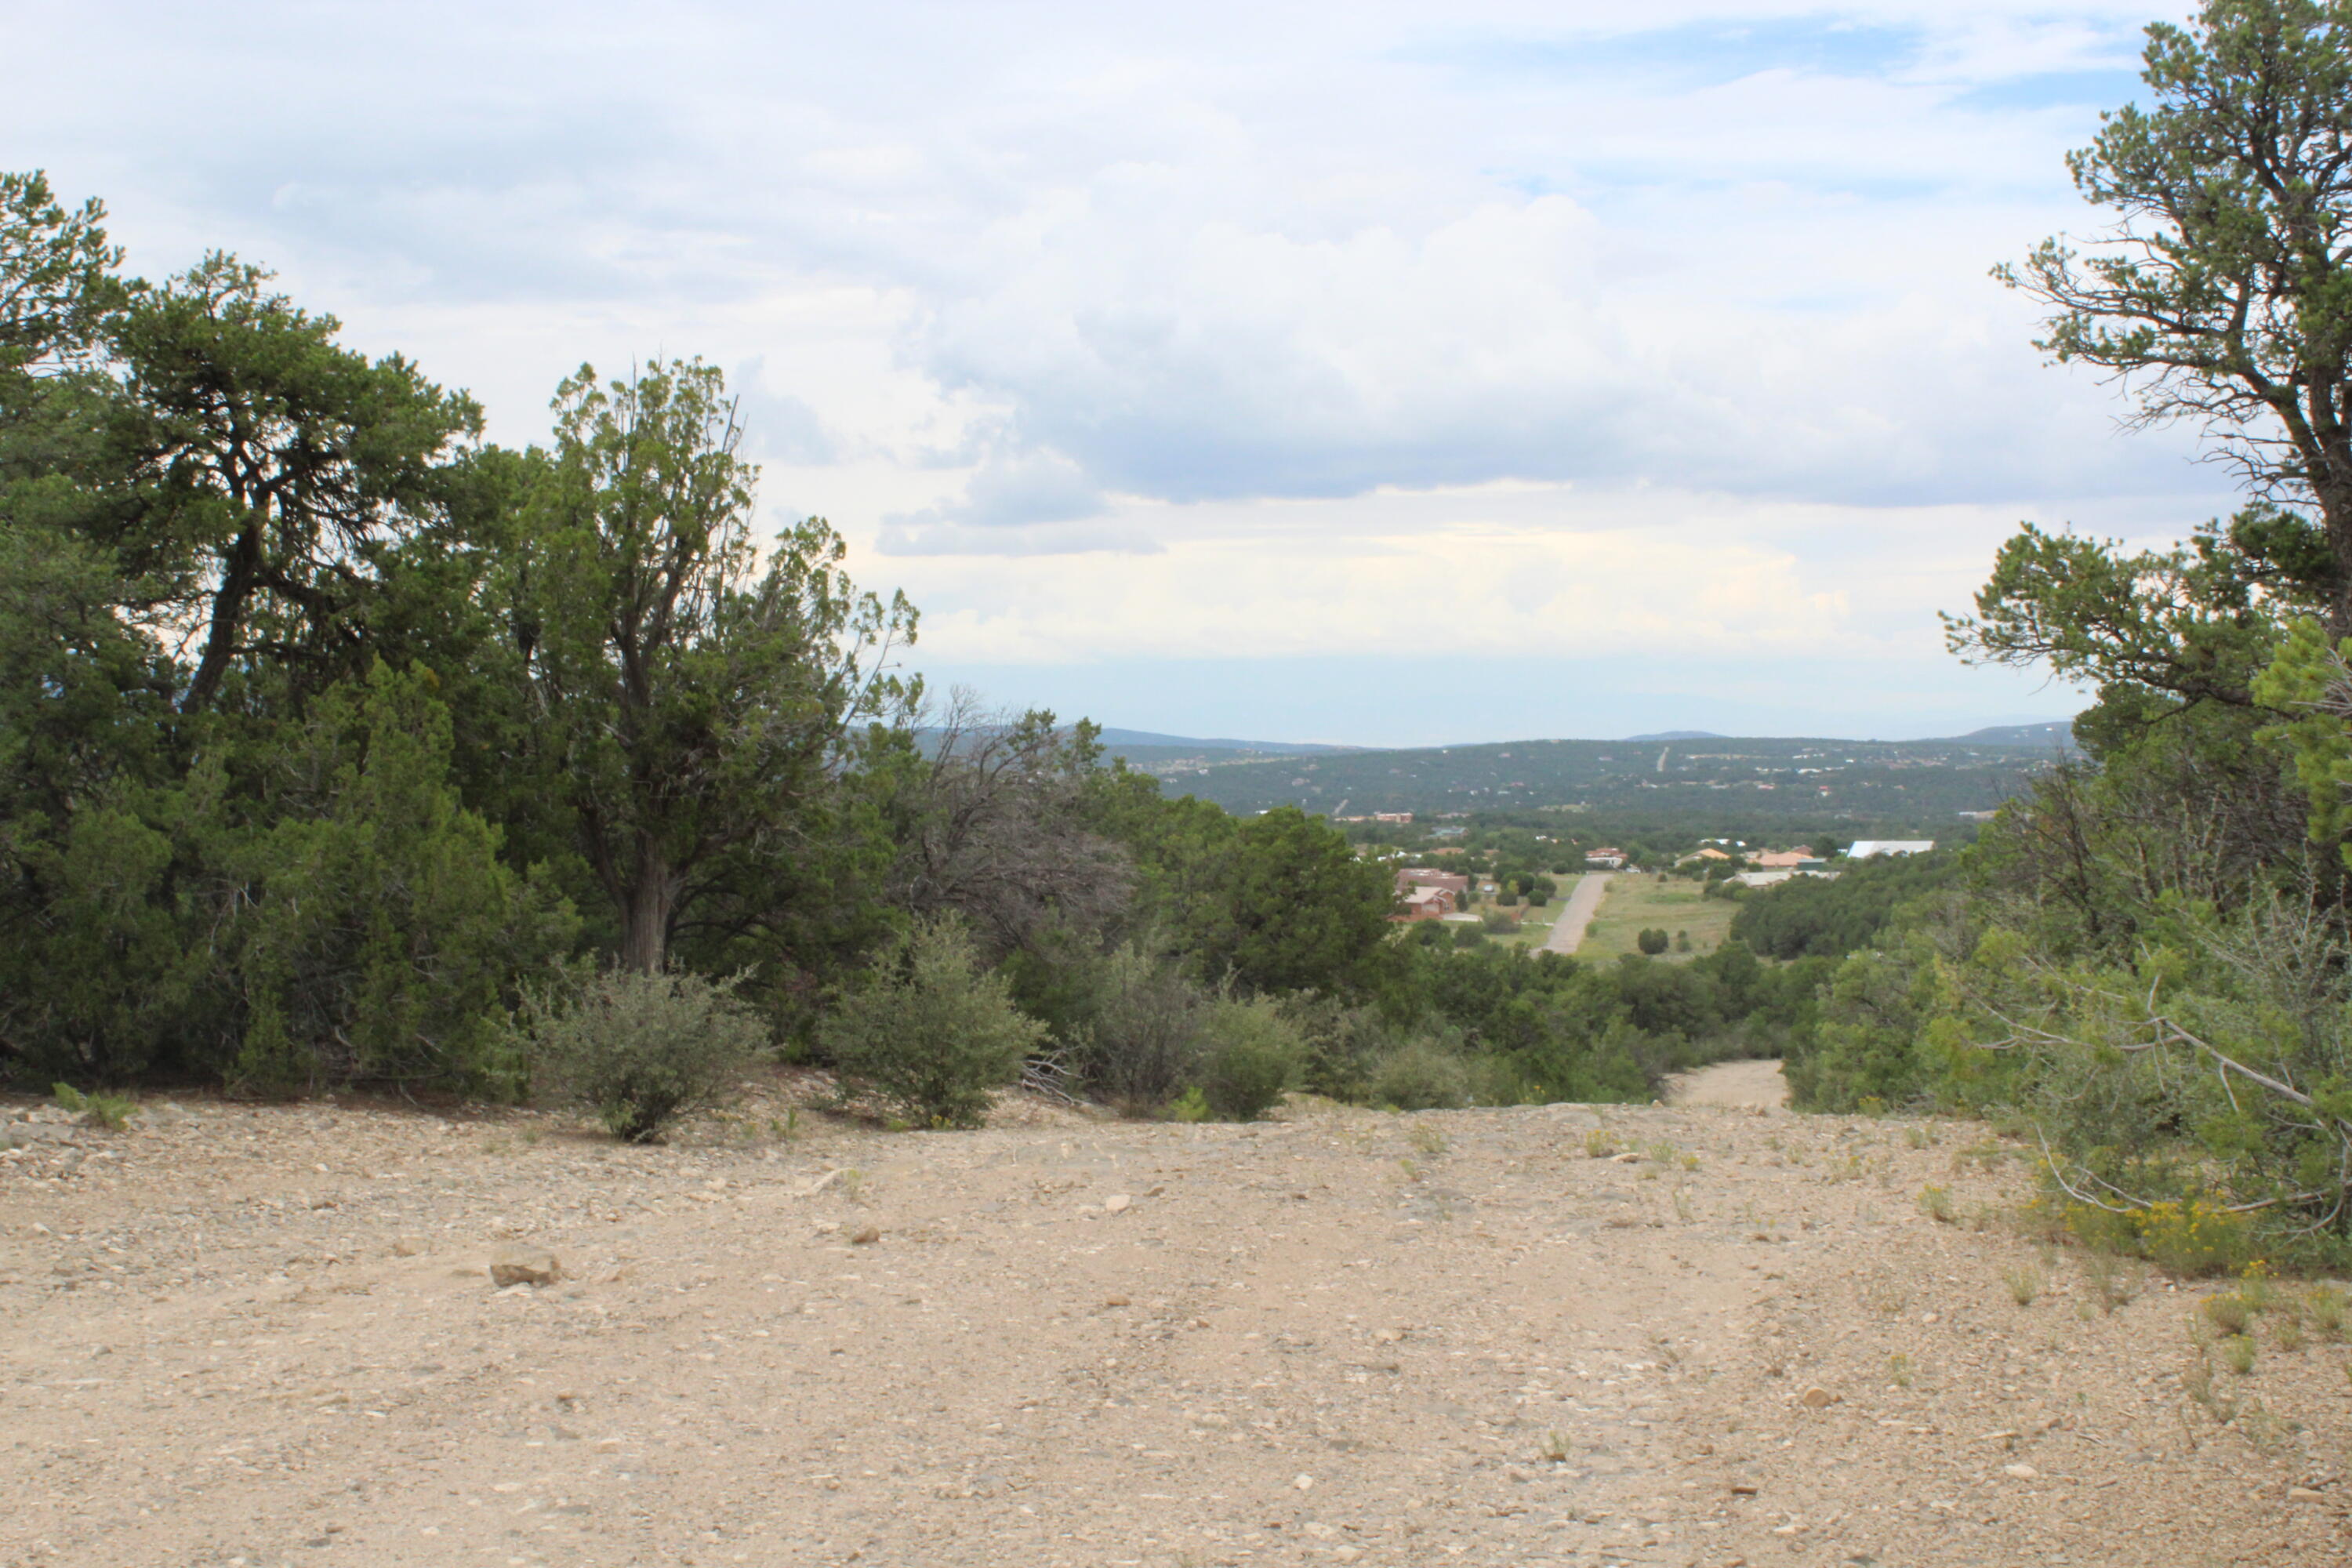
{"points": [[1213, 327]]}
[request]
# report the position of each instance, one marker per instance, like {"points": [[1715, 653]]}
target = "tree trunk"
{"points": [[644, 915], [238, 574]]}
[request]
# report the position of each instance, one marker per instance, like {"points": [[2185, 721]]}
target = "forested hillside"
{"points": [[1918, 783]]}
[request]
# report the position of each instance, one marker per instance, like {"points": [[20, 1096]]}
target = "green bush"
{"points": [[641, 1050], [1253, 1056], [98, 1107], [1140, 1043], [1345, 1044], [926, 1031], [1652, 942], [1421, 1075]]}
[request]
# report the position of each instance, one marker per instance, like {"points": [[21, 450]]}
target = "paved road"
{"points": [[1583, 903]]}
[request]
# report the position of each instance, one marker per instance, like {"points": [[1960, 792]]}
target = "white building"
{"points": [[1865, 849]]}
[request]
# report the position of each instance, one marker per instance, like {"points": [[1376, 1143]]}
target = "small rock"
{"points": [[2023, 1472], [1117, 1203], [2304, 1494], [408, 1247], [1817, 1398], [1302, 1482], [524, 1266], [1116, 1301], [865, 1237], [608, 1445], [1743, 1488]]}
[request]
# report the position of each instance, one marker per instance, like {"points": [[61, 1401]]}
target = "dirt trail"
{"points": [[264, 1336], [1731, 1083], [1583, 903]]}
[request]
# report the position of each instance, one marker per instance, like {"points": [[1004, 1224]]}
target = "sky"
{"points": [[1380, 373]]}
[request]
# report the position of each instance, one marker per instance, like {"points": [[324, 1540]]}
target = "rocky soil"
{"points": [[1715, 1333]]}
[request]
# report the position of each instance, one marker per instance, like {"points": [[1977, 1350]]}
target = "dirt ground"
{"points": [[249, 1336]]}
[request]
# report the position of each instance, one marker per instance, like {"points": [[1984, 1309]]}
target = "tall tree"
{"points": [[2223, 294], [695, 703], [264, 465]]}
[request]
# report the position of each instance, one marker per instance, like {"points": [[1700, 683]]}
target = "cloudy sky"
{"points": [[1376, 373]]}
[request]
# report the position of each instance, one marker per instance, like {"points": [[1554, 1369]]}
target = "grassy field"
{"points": [[1635, 903]]}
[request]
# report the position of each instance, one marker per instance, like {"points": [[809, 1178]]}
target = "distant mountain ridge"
{"points": [[1118, 738], [1676, 735], [2059, 733]]}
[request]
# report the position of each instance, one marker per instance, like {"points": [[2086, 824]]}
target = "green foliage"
{"points": [[387, 940], [98, 1107], [1829, 918], [1421, 1075], [641, 1050], [689, 701], [1138, 1042], [926, 1031], [1653, 942], [1252, 1058], [2217, 293]]}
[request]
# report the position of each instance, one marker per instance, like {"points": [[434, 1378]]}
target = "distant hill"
{"points": [[2060, 733], [1917, 786], [1676, 735], [1120, 739]]}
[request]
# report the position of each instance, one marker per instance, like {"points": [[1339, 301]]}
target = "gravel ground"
{"points": [[245, 1336]]}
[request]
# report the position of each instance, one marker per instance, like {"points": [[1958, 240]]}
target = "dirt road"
{"points": [[1700, 1335], [1583, 903], [1749, 1084]]}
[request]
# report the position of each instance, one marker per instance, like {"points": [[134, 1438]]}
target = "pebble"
{"points": [[1117, 1203], [2023, 1472]]}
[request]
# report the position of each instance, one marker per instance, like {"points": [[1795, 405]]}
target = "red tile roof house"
{"points": [[1413, 876], [1426, 904]]}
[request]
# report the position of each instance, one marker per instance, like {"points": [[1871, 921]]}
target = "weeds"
{"points": [[2230, 1313], [1899, 1369], [98, 1107], [1917, 1137], [2110, 1283], [1426, 1138], [2325, 1304], [1602, 1144], [2025, 1282], [1937, 1204], [1555, 1448], [2238, 1353]]}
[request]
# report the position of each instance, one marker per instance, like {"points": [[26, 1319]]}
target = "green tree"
{"points": [[693, 704], [57, 270], [1294, 908], [2224, 292], [387, 943]]}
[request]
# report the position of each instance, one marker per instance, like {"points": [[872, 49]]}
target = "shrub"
{"points": [[641, 1050], [1252, 1057], [98, 1107], [1345, 1046], [1421, 1075], [926, 1031], [1652, 942], [1140, 1041]]}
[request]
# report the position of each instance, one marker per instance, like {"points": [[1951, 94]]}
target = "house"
{"points": [[1867, 849], [1425, 904], [1449, 882], [1607, 854], [1762, 878], [1786, 860]]}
